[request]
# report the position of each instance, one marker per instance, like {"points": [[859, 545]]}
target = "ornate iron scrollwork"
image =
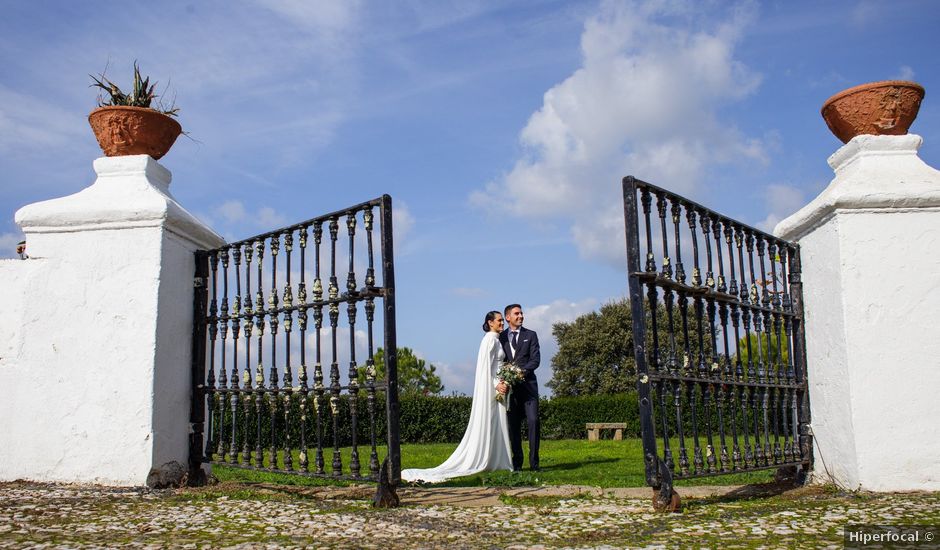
{"points": [[720, 358], [256, 317]]}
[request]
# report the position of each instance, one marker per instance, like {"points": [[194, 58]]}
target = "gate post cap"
{"points": [[871, 172], [129, 192]]}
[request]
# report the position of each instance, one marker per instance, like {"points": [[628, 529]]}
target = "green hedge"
{"points": [[428, 419], [433, 419], [423, 419], [564, 417]]}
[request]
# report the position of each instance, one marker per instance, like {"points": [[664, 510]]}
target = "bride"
{"points": [[485, 444]]}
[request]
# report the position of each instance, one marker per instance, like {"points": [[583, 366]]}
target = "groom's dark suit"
{"points": [[524, 402]]}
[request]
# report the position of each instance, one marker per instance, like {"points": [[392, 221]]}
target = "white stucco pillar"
{"points": [[870, 247], [96, 362]]}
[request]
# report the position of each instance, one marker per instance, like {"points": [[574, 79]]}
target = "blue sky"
{"points": [[501, 129]]}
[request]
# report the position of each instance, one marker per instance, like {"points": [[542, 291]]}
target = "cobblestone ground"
{"points": [[240, 516]]}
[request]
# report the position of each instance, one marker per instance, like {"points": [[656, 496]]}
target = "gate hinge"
{"points": [[199, 282]]}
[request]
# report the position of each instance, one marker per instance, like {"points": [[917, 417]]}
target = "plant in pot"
{"points": [[128, 124]]}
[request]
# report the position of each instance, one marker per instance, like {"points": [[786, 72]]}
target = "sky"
{"points": [[501, 129]]}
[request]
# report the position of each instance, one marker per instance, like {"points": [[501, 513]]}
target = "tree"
{"points": [[415, 375], [595, 353], [773, 348]]}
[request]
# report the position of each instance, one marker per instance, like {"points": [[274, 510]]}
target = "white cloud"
{"points": [[781, 200], [438, 14], [644, 102], [233, 215], [402, 224], [269, 217], [272, 80], [315, 15], [905, 72], [457, 378], [864, 13], [231, 211], [540, 318], [784, 198], [31, 124]]}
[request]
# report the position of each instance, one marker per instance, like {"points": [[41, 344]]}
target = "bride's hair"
{"points": [[486, 320]]}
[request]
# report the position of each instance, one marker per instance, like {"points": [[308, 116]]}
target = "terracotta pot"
{"points": [[885, 108], [133, 131]]}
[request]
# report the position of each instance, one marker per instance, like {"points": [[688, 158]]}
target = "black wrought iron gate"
{"points": [[260, 396], [719, 350]]}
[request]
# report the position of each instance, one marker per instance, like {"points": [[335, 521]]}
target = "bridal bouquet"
{"points": [[511, 374]]}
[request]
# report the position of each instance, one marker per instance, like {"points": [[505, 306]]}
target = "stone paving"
{"points": [[266, 516]]}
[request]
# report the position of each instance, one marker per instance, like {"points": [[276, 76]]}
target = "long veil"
{"points": [[485, 443]]}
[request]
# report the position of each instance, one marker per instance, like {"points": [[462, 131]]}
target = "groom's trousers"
{"points": [[525, 405]]}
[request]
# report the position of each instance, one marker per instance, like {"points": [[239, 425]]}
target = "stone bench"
{"points": [[594, 429]]}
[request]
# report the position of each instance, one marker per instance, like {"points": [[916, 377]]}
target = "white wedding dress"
{"points": [[485, 444]]}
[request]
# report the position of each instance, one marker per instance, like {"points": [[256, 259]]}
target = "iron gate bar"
{"points": [[239, 415], [695, 377], [391, 348], [198, 369]]}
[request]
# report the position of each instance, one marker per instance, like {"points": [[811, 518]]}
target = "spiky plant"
{"points": [[142, 94]]}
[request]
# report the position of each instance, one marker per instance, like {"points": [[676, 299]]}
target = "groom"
{"points": [[521, 346]]}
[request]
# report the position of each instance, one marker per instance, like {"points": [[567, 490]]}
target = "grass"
{"points": [[604, 463]]}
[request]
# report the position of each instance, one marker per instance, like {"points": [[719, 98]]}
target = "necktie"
{"points": [[514, 334]]}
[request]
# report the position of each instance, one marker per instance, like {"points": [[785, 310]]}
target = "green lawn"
{"points": [[604, 463]]}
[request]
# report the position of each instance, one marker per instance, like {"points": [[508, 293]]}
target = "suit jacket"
{"points": [[527, 355]]}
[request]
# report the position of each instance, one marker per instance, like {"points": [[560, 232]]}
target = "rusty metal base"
{"points": [[386, 493]]}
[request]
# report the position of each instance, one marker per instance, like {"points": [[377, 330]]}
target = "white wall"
{"points": [[871, 281], [174, 329], [828, 371], [99, 388], [13, 276], [892, 291]]}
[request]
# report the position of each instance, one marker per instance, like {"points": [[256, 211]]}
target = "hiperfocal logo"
{"points": [[891, 536]]}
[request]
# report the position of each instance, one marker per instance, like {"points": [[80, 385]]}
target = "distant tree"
{"points": [[596, 350], [415, 375], [595, 353], [774, 350]]}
